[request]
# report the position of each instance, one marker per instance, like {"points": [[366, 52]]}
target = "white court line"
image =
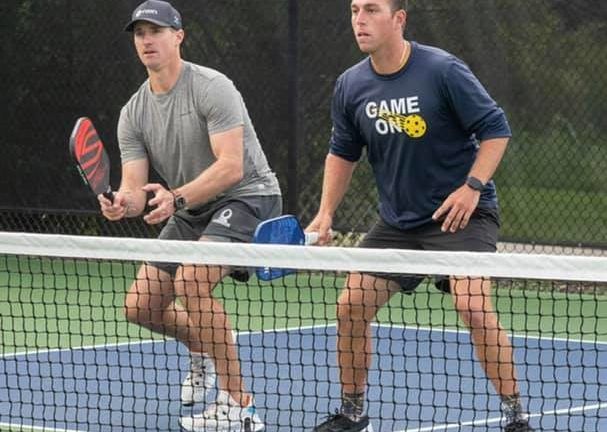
{"points": [[150, 341], [290, 329], [498, 419], [516, 335], [435, 428], [26, 428]]}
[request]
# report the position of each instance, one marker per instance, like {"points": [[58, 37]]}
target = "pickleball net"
{"points": [[70, 361]]}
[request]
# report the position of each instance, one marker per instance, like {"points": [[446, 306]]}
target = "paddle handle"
{"points": [[311, 238]]}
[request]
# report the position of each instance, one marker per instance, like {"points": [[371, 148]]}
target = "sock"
{"points": [[246, 401], [352, 405], [196, 360], [512, 408]]}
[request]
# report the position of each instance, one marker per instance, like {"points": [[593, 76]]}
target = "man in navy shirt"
{"points": [[434, 138]]}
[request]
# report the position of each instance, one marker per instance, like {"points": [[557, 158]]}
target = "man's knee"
{"points": [[353, 308], [136, 309], [363, 296], [148, 296], [198, 280], [476, 311]]}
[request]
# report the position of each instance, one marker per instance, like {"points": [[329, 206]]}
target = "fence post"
{"points": [[294, 135]]}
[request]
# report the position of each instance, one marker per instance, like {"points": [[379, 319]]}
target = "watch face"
{"points": [[179, 202]]}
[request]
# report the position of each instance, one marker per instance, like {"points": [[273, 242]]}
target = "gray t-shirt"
{"points": [[172, 130]]}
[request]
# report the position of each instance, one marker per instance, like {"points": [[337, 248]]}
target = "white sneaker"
{"points": [[199, 381], [225, 415]]}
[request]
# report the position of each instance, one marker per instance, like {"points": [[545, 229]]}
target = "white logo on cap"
{"points": [[147, 12]]}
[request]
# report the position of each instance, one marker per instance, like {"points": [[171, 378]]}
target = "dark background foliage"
{"points": [[542, 60]]}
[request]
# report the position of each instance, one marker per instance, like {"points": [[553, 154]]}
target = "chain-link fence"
{"points": [[542, 60]]}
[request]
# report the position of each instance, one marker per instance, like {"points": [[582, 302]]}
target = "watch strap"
{"points": [[178, 201], [475, 183]]}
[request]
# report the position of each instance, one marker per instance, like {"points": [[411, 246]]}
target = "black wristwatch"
{"points": [[475, 184], [178, 201]]}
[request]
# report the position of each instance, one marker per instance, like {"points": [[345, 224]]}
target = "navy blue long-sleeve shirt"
{"points": [[420, 126]]}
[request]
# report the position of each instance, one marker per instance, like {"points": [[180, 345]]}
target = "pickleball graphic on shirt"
{"points": [[413, 125], [397, 116]]}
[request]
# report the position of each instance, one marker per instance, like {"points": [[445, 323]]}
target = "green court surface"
{"points": [[62, 303]]}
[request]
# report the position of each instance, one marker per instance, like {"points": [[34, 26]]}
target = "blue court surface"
{"points": [[434, 386]]}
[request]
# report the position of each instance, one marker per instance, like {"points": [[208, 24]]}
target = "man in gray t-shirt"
{"points": [[191, 125]]}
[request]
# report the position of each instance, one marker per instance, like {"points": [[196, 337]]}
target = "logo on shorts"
{"points": [[224, 218]]}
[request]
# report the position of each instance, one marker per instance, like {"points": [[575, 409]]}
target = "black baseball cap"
{"points": [[158, 12]]}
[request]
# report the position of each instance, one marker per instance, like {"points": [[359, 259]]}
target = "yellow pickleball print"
{"points": [[415, 126]]}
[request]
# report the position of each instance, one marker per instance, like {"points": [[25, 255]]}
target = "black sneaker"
{"points": [[520, 425], [340, 423]]}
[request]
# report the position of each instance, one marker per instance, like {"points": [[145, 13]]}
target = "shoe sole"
{"points": [[368, 428], [247, 427]]}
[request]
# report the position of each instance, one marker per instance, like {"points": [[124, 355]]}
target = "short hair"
{"points": [[399, 4]]}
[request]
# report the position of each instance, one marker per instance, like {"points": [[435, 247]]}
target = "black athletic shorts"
{"points": [[233, 220], [480, 235]]}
